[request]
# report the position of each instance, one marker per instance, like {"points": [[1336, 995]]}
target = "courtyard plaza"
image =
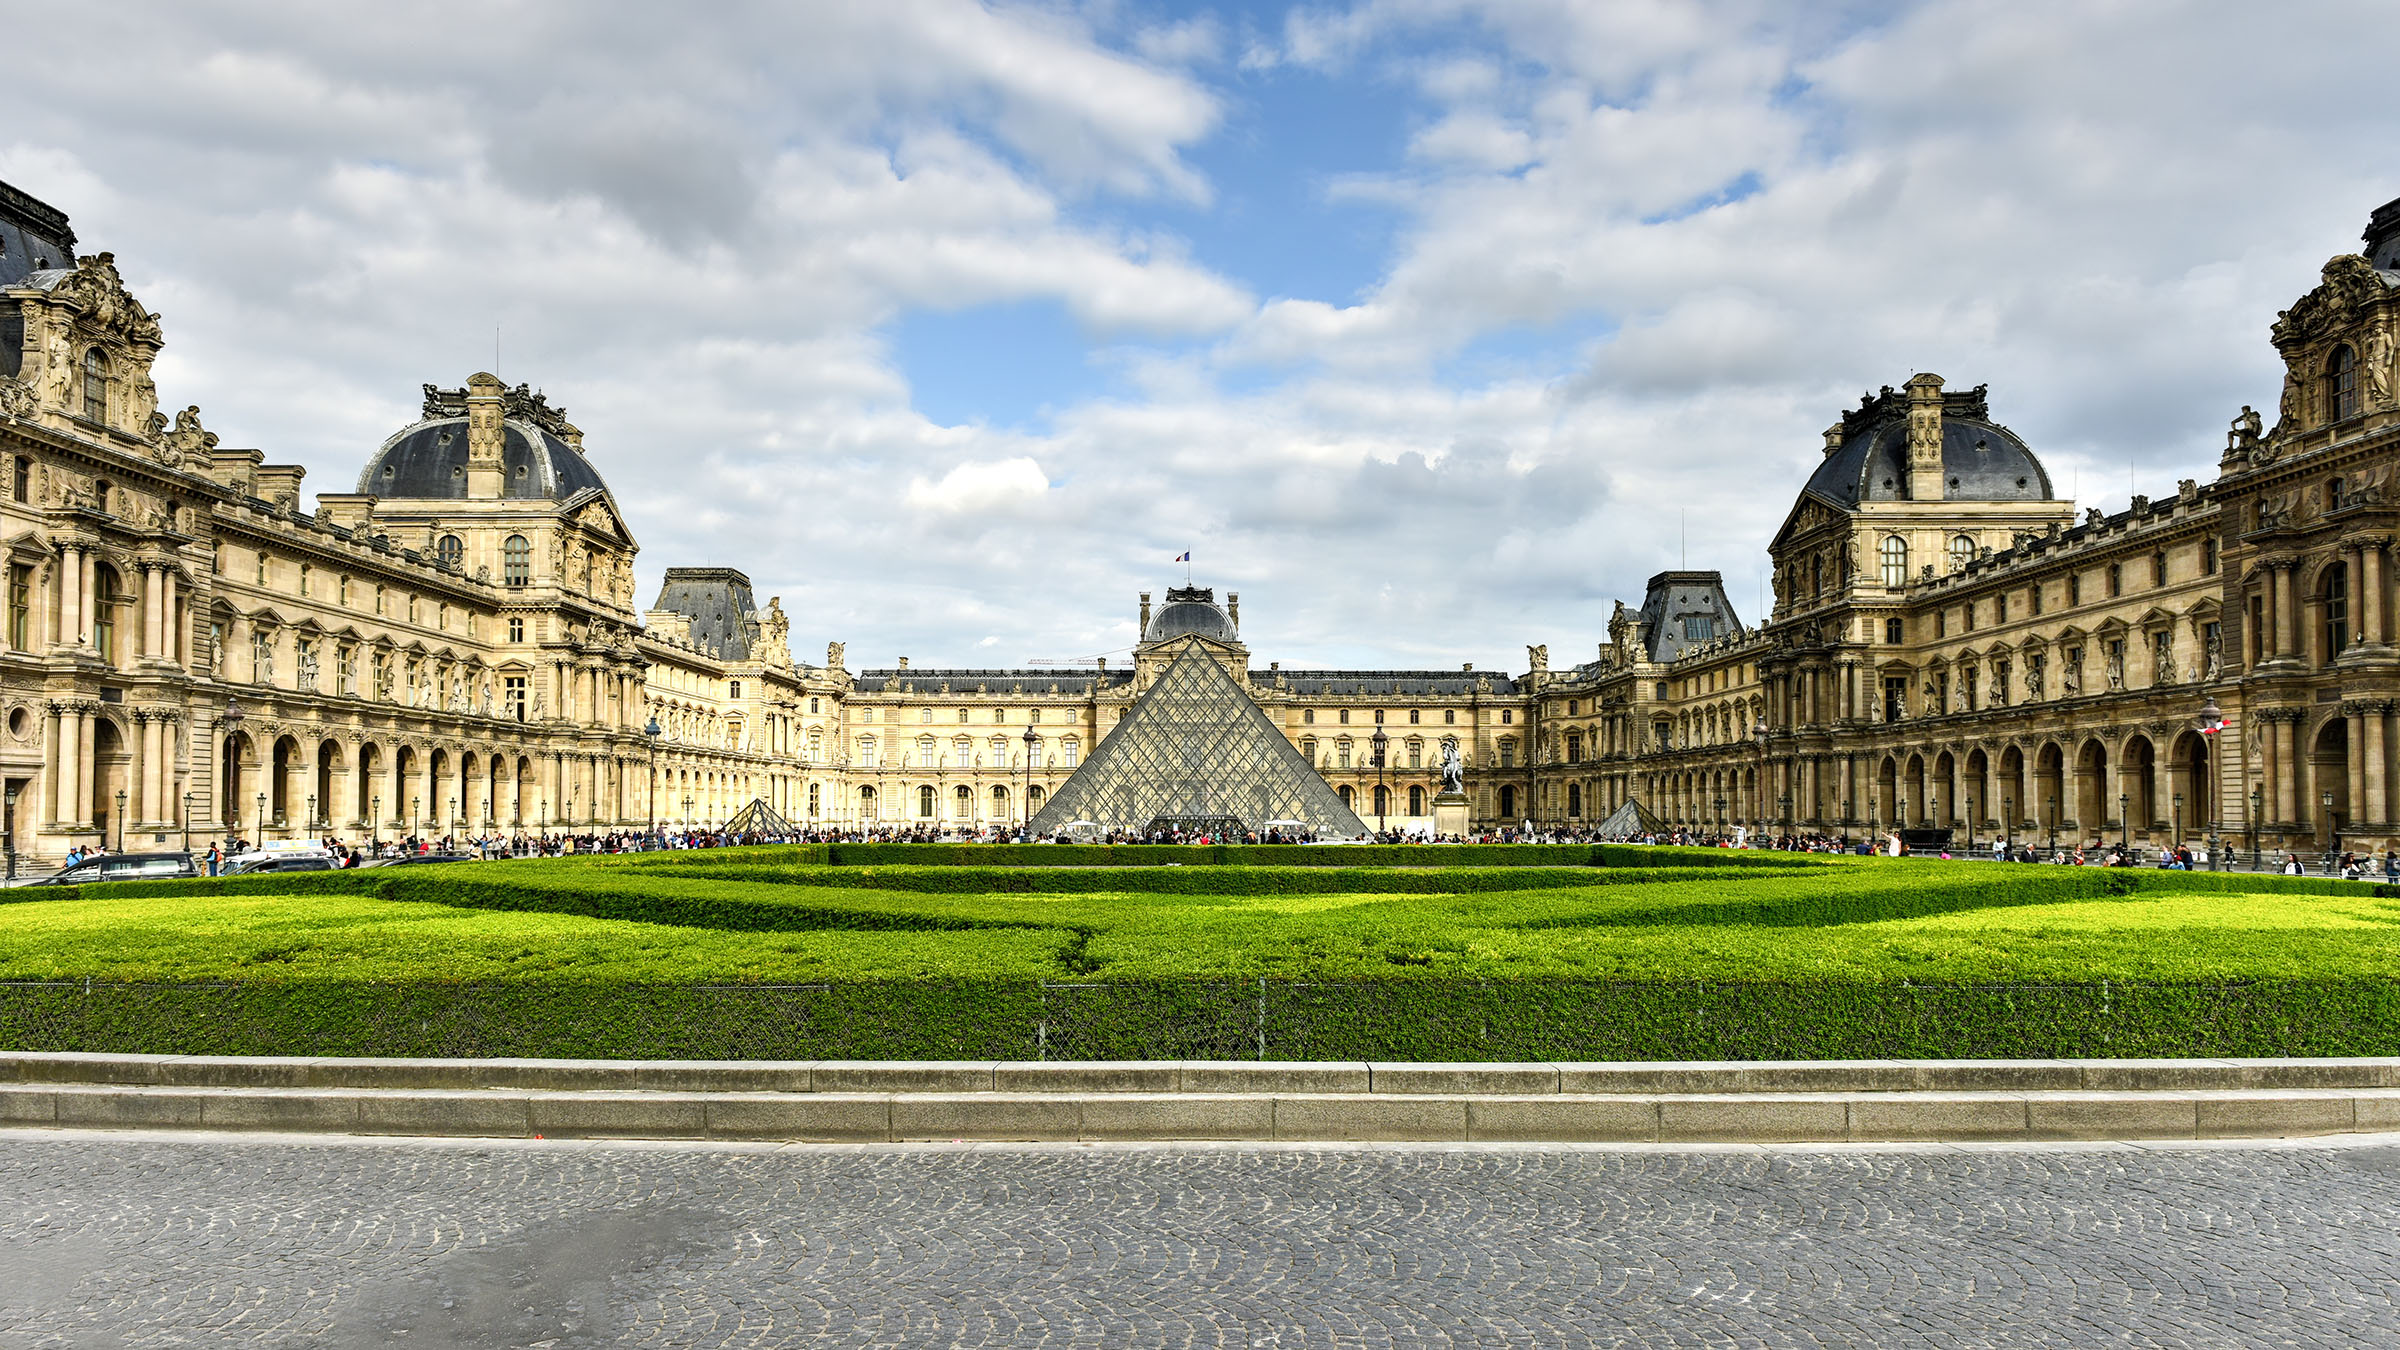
{"points": [[159, 1239]]}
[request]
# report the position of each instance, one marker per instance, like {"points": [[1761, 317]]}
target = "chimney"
{"points": [[1233, 610], [1468, 666], [1144, 630], [904, 663], [485, 436], [1925, 438], [1833, 439]]}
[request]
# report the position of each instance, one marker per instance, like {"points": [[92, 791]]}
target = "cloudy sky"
{"points": [[1431, 327]]}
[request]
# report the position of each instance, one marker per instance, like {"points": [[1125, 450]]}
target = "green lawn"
{"points": [[1681, 954]]}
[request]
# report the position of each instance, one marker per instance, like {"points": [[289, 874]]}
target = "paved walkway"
{"points": [[216, 1240]]}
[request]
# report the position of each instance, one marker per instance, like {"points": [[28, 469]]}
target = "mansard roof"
{"points": [[1982, 461]]}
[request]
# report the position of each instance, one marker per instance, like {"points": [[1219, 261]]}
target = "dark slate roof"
{"points": [[1190, 611], [717, 600], [429, 461], [1017, 683], [1982, 461], [34, 236], [1685, 610], [1385, 683]]}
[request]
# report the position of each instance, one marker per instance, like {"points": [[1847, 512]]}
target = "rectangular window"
{"points": [[1449, 717], [516, 630], [2000, 673], [1308, 717], [20, 485], [1895, 631], [2000, 608], [1507, 715], [513, 697], [1967, 686], [1941, 623], [1412, 717], [1508, 754], [2074, 589], [262, 567], [736, 687], [1941, 694], [20, 607], [2208, 557], [2033, 599]]}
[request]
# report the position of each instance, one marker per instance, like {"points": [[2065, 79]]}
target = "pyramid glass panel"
{"points": [[1194, 747], [759, 818]]}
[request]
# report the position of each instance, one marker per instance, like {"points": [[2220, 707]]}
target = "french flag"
{"points": [[1185, 556]]}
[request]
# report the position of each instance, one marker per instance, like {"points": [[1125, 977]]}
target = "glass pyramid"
{"points": [[1629, 820], [759, 818], [1193, 749]]}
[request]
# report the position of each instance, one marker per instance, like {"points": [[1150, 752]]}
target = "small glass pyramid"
{"points": [[1195, 748]]}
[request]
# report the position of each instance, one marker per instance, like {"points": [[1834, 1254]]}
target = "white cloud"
{"points": [[1005, 485]]}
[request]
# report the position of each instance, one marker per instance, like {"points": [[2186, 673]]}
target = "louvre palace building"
{"points": [[455, 645]]}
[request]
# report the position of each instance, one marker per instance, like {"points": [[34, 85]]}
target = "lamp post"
{"points": [[120, 820], [2008, 824], [2124, 820], [414, 804], [2212, 723], [231, 718], [375, 825], [652, 732], [2054, 823], [1783, 813], [1970, 822], [1845, 823], [2258, 803], [1720, 815], [262, 820], [2333, 825], [1378, 743], [2175, 823], [187, 822], [1025, 803], [1758, 795], [312, 813], [687, 813]]}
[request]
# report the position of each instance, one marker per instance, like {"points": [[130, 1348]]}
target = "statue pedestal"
{"points": [[1450, 815]]}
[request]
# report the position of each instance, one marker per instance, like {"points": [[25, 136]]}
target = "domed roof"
{"points": [[1982, 461], [1190, 611], [429, 460]]}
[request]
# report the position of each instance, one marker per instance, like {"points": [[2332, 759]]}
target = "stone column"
{"points": [[2370, 592], [2377, 805], [146, 789], [2355, 755], [54, 759], [2287, 764], [70, 597], [71, 813], [86, 574], [171, 633], [2286, 613]]}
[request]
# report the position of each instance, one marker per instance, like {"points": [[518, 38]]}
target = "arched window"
{"points": [[1383, 800], [452, 550], [95, 385], [1574, 799], [1349, 798], [1962, 552], [2337, 609], [516, 561], [962, 803], [1416, 801], [866, 803], [1033, 799], [2341, 384], [1895, 560], [925, 802]]}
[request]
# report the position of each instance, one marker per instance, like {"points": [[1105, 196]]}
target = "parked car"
{"points": [[251, 864], [414, 859], [120, 867]]}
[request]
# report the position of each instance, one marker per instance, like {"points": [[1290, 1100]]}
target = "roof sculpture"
{"points": [[1195, 747]]}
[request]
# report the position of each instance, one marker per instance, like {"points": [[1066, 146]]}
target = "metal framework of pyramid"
{"points": [[1629, 820], [759, 818], [1194, 747]]}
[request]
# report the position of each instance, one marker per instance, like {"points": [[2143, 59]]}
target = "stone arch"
{"points": [[2091, 789]]}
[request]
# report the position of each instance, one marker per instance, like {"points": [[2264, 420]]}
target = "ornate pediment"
{"points": [[98, 293], [2350, 283]]}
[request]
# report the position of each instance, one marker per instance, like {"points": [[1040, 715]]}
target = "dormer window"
{"points": [[516, 561], [95, 385], [1962, 551], [2341, 384], [451, 550]]}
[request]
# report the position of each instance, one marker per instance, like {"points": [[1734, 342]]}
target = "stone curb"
{"points": [[902, 1117], [1205, 1076]]}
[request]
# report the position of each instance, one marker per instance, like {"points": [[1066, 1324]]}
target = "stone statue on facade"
{"points": [[776, 632], [1538, 658], [2378, 361], [1454, 770], [308, 666]]}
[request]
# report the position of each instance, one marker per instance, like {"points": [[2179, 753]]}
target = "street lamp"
{"points": [[1783, 810], [375, 825], [2124, 820], [2212, 723], [2333, 824], [652, 732], [414, 804], [262, 819], [1970, 822], [1025, 803], [2175, 834], [1720, 815], [231, 718], [2258, 803], [2008, 824], [1845, 822], [1378, 743], [120, 820], [187, 821], [2054, 823], [687, 813]]}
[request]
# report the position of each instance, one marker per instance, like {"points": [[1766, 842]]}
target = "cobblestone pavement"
{"points": [[221, 1240]]}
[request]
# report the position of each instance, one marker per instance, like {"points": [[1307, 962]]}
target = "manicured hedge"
{"points": [[967, 880], [1392, 1020]]}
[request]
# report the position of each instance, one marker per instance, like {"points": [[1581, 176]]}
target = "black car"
{"points": [[418, 859], [299, 862], [122, 867]]}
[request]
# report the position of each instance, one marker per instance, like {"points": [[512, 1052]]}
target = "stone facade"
{"points": [[455, 645]]}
